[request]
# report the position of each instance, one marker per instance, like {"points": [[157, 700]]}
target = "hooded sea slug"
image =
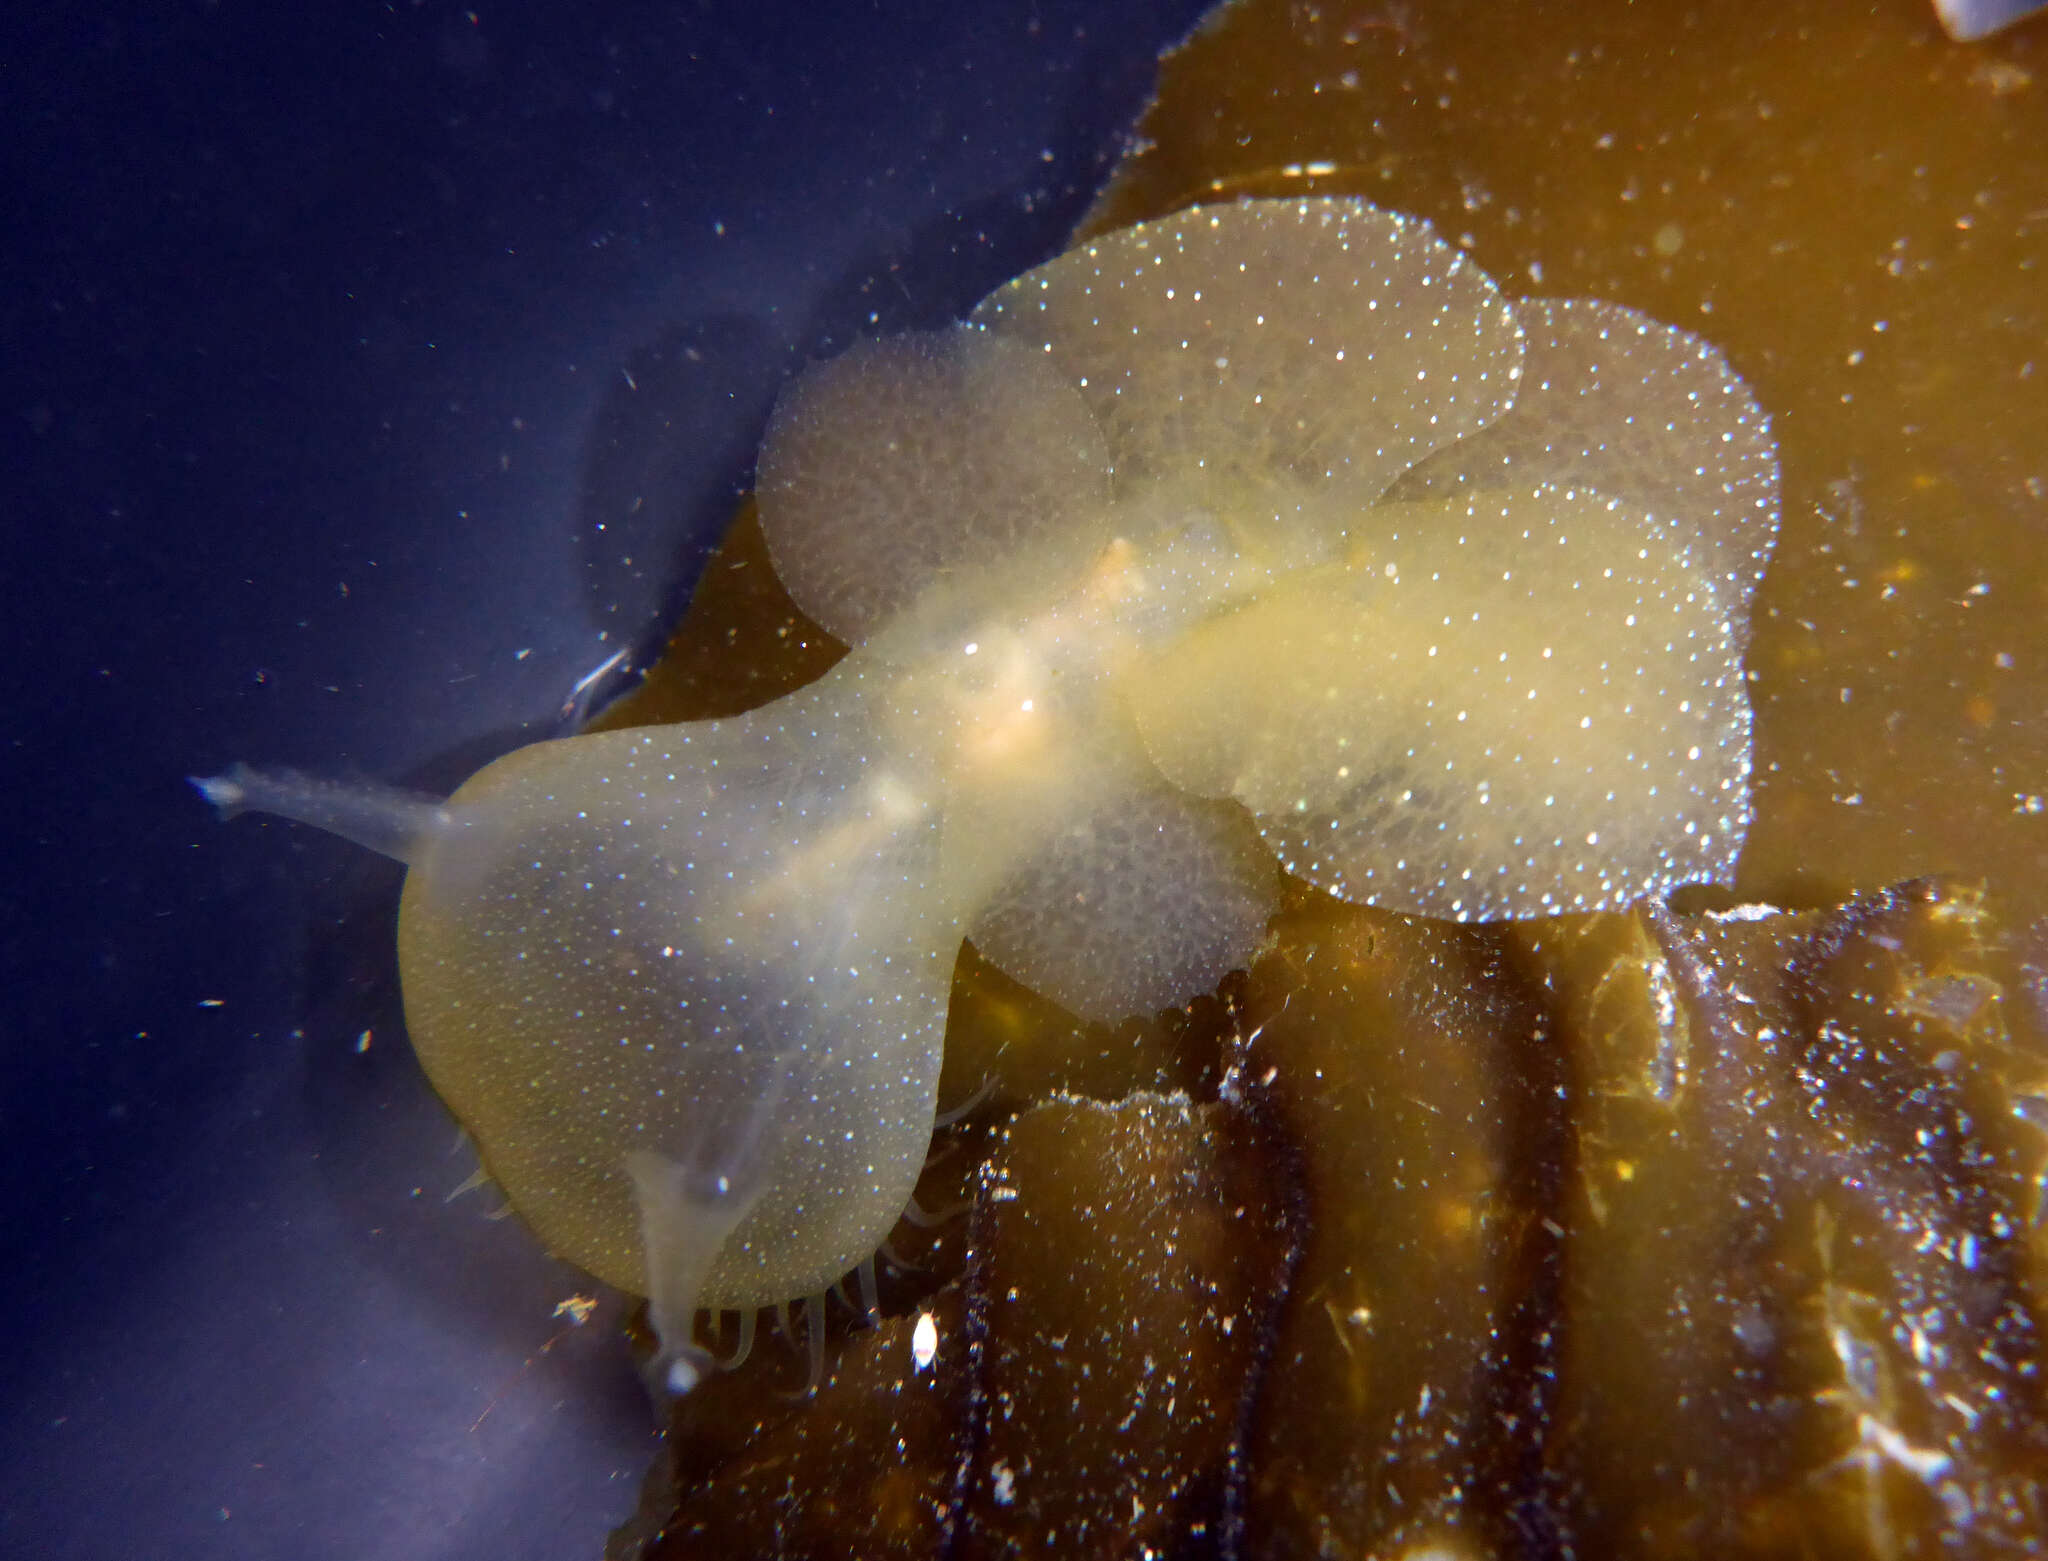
{"points": [[1263, 532]]}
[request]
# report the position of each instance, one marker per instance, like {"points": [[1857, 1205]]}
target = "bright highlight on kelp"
{"points": [[1262, 531]]}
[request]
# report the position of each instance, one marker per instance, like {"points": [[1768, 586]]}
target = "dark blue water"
{"points": [[373, 375]]}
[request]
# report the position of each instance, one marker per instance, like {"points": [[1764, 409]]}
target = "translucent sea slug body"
{"points": [[1263, 532]]}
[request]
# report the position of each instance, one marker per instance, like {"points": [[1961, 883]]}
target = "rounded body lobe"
{"points": [[723, 945]]}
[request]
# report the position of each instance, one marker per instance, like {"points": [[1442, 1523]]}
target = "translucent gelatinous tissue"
{"points": [[1264, 533]]}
